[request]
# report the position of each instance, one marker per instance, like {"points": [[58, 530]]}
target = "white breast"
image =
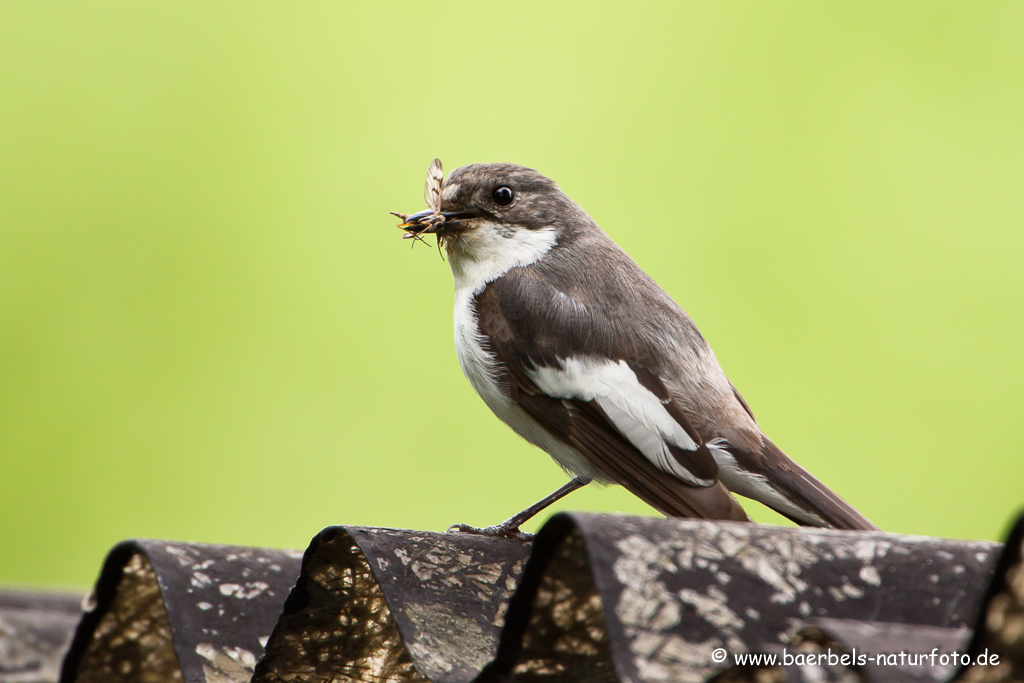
{"points": [[481, 369], [478, 257], [479, 366]]}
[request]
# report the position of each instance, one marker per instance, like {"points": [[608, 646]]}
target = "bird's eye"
{"points": [[503, 195]]}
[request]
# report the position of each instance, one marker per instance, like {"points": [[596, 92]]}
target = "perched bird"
{"points": [[581, 353]]}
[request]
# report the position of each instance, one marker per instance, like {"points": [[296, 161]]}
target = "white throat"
{"points": [[491, 250]]}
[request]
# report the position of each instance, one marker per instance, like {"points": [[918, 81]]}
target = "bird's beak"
{"points": [[415, 222]]}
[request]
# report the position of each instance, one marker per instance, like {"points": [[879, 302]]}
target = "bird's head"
{"points": [[488, 207]]}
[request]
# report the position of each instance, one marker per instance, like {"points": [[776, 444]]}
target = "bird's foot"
{"points": [[503, 530]]}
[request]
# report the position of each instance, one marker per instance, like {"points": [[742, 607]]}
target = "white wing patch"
{"points": [[634, 410]]}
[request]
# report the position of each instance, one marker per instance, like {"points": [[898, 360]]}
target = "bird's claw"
{"points": [[496, 531]]}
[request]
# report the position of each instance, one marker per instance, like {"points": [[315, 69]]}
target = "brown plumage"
{"points": [[575, 347]]}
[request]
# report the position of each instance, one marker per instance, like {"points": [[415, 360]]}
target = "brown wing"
{"points": [[821, 506], [700, 462], [523, 333], [585, 427]]}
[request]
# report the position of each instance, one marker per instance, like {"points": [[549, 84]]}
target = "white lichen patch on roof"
{"points": [[247, 591], [870, 576], [226, 664]]}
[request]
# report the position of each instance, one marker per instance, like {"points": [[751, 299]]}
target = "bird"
{"points": [[577, 349]]}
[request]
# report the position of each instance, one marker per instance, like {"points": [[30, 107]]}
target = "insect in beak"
{"points": [[422, 223], [425, 222], [431, 220]]}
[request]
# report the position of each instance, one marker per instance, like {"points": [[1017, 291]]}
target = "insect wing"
{"points": [[432, 188]]}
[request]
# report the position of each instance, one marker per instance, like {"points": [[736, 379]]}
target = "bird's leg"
{"points": [[510, 527]]}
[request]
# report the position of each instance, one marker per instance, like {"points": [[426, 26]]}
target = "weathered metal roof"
{"points": [[654, 599], [166, 611], [394, 605], [993, 649], [35, 630], [1000, 626], [594, 598]]}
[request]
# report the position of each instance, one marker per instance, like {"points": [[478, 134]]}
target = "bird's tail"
{"points": [[808, 494]]}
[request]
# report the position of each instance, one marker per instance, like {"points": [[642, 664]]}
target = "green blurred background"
{"points": [[210, 330]]}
